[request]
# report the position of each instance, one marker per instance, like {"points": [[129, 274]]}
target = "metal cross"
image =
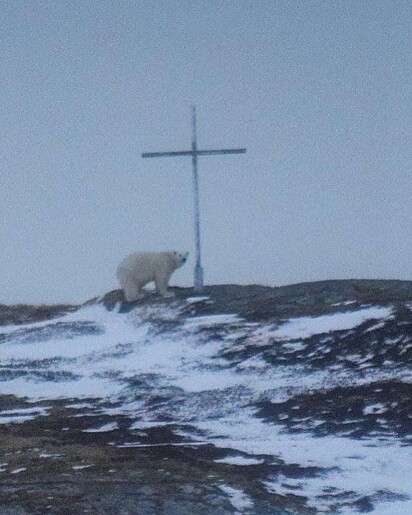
{"points": [[198, 272]]}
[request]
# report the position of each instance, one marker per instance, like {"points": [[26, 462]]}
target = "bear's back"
{"points": [[137, 260]]}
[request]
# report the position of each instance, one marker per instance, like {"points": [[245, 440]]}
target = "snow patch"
{"points": [[111, 426], [304, 327], [193, 300], [17, 471], [239, 500], [21, 415], [210, 321], [240, 460]]}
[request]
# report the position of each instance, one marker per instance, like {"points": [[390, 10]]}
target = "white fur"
{"points": [[141, 268]]}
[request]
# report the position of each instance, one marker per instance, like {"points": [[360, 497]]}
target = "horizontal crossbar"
{"points": [[198, 152]]}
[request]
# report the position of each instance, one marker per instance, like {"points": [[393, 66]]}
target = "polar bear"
{"points": [[140, 268]]}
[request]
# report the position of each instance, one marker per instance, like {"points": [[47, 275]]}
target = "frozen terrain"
{"points": [[292, 401]]}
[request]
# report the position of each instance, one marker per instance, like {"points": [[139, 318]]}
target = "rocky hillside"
{"points": [[245, 399]]}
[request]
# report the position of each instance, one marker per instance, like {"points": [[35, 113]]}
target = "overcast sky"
{"points": [[319, 92]]}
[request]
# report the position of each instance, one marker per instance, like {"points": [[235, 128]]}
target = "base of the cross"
{"points": [[198, 281]]}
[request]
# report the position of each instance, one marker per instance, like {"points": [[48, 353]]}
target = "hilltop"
{"points": [[241, 399]]}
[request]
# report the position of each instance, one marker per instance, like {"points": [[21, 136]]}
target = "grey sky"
{"points": [[318, 91]]}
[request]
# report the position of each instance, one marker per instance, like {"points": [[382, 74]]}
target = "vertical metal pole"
{"points": [[198, 278]]}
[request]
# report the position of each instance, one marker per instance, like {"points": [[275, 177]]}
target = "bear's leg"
{"points": [[162, 282], [133, 292]]}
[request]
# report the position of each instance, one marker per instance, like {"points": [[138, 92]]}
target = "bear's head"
{"points": [[179, 258]]}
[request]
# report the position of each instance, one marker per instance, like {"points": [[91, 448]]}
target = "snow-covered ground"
{"points": [[212, 373]]}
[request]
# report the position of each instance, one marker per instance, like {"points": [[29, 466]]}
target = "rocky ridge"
{"points": [[315, 362]]}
